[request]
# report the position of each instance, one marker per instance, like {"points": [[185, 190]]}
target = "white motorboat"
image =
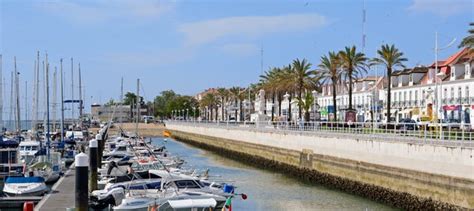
{"points": [[173, 189], [28, 150], [24, 186]]}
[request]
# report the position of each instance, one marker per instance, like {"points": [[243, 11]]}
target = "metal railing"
{"points": [[452, 134]]}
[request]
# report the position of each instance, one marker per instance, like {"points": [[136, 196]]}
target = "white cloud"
{"points": [[104, 10], [202, 32], [240, 49], [442, 7]]}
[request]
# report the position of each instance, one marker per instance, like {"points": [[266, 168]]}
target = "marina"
{"points": [[167, 105]]}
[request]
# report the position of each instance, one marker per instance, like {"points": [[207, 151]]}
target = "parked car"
{"points": [[407, 124]]}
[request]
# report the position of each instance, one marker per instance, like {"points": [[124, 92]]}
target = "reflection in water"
{"points": [[268, 190]]}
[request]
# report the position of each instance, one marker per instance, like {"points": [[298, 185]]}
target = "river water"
{"points": [[267, 190]]}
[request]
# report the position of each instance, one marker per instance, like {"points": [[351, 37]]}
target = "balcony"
{"points": [[465, 100]]}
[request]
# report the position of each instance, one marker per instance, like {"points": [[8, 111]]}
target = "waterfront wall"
{"points": [[405, 175]]}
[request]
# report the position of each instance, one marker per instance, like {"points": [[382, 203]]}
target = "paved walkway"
{"points": [[62, 194]]}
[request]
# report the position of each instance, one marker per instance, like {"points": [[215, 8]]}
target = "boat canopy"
{"points": [[24, 179], [192, 203], [8, 144]]}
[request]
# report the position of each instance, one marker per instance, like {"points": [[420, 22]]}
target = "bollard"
{"points": [[93, 165], [82, 173], [28, 206], [100, 149]]}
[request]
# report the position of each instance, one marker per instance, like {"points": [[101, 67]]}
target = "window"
{"points": [[409, 96], [459, 93], [445, 94], [416, 95], [395, 99], [467, 92], [466, 69], [453, 72], [452, 92]]}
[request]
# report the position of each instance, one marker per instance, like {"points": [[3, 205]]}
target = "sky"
{"points": [[191, 45]]}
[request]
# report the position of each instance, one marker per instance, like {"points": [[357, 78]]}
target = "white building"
{"points": [[366, 99], [421, 91]]}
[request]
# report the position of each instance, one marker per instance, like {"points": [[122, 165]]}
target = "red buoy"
{"points": [[28, 206]]}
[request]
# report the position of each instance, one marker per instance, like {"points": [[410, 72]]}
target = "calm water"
{"points": [[268, 190]]}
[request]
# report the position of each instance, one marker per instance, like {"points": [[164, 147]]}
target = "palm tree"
{"points": [[288, 85], [354, 64], [390, 57], [468, 42], [210, 101], [306, 104], [330, 71], [271, 83], [303, 78], [237, 96], [223, 95]]}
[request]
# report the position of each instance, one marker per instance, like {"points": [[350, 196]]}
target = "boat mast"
{"points": [[10, 114], [121, 103], [37, 91], [33, 109], [44, 97], [1, 97], [62, 102], [48, 133], [72, 90], [80, 93], [26, 100], [138, 106], [54, 103], [17, 95]]}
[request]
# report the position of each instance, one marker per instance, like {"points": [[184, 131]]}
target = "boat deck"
{"points": [[62, 194]]}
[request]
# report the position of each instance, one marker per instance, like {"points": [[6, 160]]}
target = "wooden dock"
{"points": [[62, 194]]}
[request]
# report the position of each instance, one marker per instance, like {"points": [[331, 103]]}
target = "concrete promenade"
{"points": [[62, 194], [442, 173]]}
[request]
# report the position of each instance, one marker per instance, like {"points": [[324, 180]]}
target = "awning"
{"points": [[451, 107]]}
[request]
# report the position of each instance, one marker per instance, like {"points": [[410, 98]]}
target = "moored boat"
{"points": [[24, 186]]}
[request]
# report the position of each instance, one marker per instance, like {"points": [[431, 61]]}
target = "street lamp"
{"points": [[441, 76], [314, 103], [287, 97]]}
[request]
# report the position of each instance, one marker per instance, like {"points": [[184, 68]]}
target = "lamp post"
{"points": [[314, 103], [187, 114], [441, 76], [287, 97]]}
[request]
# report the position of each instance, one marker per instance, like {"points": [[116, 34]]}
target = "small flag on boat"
{"points": [[228, 204]]}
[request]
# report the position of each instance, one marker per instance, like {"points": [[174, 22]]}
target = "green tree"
{"points": [[209, 101], [131, 98], [223, 94], [390, 57], [238, 95], [468, 42], [306, 104], [331, 72], [354, 64]]}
